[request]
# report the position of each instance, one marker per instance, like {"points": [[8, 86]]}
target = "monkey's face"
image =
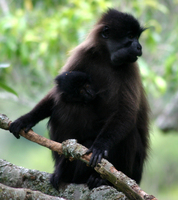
{"points": [[125, 49], [121, 36]]}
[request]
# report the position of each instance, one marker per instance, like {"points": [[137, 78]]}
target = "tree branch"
{"points": [[12, 193], [20, 177], [77, 151]]}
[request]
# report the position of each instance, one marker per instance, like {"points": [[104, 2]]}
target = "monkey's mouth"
{"points": [[136, 56], [133, 58]]}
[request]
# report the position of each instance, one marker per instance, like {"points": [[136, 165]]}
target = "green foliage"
{"points": [[36, 37], [153, 82], [8, 89], [3, 85]]}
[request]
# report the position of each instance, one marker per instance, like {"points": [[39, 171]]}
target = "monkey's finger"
{"points": [[106, 153], [99, 158], [90, 182], [94, 161], [99, 182], [27, 129], [14, 130], [91, 160], [16, 135], [88, 151], [95, 182]]}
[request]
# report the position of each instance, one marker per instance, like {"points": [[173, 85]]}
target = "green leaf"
{"points": [[8, 89]]}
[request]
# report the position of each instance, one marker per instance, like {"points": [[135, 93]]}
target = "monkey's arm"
{"points": [[42, 110], [116, 128]]}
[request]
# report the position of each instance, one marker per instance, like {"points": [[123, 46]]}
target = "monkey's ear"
{"points": [[105, 32], [143, 29]]}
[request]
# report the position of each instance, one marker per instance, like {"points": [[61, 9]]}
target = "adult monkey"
{"points": [[114, 123]]}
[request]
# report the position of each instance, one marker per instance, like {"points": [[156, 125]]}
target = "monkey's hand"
{"points": [[95, 181], [25, 122], [98, 151]]}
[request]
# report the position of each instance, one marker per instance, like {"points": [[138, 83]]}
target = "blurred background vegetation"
{"points": [[35, 39]]}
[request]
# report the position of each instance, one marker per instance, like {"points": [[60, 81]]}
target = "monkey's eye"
{"points": [[130, 36], [105, 32], [81, 91]]}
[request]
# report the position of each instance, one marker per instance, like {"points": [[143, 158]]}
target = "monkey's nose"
{"points": [[139, 50], [139, 47]]}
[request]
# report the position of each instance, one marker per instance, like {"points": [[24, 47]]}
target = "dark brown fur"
{"points": [[117, 120]]}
